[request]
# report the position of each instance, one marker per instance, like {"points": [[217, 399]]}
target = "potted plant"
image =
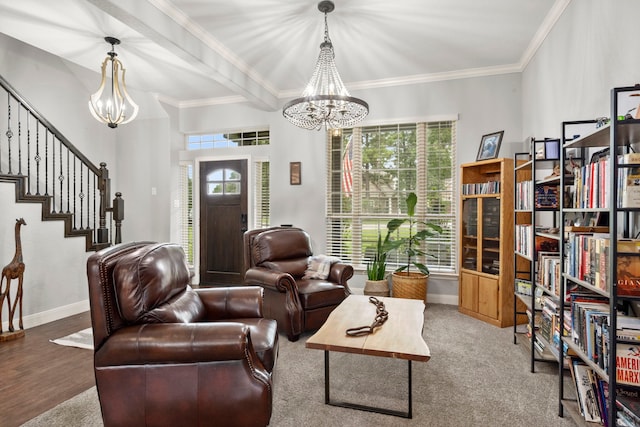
{"points": [[407, 283], [377, 283]]}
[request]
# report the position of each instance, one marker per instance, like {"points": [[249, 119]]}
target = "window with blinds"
{"points": [[186, 211], [261, 207], [371, 171]]}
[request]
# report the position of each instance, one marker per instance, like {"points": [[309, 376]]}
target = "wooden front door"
{"points": [[223, 220]]}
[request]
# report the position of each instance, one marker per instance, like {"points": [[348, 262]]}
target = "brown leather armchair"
{"points": [[166, 354], [276, 259]]}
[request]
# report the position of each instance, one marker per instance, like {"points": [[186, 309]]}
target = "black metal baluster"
{"points": [[74, 192], [9, 132], [37, 158], [81, 196], [28, 154], [95, 229], [19, 141], [61, 177], [68, 183], [46, 162], [53, 173]]}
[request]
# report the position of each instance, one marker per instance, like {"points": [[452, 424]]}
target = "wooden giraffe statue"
{"points": [[13, 270]]}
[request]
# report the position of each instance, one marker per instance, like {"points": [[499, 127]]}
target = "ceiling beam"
{"points": [[165, 25]]}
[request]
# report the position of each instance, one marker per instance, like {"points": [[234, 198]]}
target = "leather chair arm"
{"points": [[340, 273], [175, 343], [232, 302], [274, 280]]}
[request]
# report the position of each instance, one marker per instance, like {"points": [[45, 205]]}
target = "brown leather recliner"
{"points": [[276, 258], [166, 354]]}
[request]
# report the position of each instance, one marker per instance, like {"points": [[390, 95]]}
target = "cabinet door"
{"points": [[470, 234], [491, 235], [488, 297], [469, 291]]}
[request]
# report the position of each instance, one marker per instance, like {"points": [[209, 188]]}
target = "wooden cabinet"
{"points": [[486, 241]]}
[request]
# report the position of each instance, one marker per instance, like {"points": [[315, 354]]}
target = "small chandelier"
{"points": [[114, 106], [325, 101]]}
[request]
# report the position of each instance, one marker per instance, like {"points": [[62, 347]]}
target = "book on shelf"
{"points": [[628, 274], [546, 196], [628, 335], [628, 183], [628, 364], [523, 287], [587, 398], [630, 407], [523, 195], [591, 185], [491, 187], [546, 244], [548, 271], [631, 190]]}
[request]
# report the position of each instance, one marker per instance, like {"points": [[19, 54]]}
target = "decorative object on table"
{"points": [[377, 283], [411, 284], [325, 101], [490, 146], [13, 270], [113, 106], [295, 173], [381, 316]]}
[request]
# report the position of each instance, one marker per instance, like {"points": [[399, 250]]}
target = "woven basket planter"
{"points": [[411, 285], [377, 288]]}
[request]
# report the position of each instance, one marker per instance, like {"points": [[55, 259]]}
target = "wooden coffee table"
{"points": [[399, 337]]}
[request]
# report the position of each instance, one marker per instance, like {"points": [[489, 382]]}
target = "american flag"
{"points": [[347, 166]]}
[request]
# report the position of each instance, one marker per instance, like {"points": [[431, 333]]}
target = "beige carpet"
{"points": [[476, 377]]}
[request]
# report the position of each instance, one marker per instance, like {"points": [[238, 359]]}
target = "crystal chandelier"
{"points": [[325, 101], [113, 106]]}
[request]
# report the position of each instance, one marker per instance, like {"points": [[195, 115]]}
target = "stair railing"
{"points": [[49, 169]]}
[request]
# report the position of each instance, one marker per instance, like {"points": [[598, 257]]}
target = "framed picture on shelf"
{"points": [[548, 149], [490, 146]]}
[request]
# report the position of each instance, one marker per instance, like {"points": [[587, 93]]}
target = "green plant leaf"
{"points": [[412, 201], [394, 224]]}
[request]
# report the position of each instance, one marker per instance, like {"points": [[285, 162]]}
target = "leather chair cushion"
{"points": [[282, 244], [152, 285], [319, 293]]}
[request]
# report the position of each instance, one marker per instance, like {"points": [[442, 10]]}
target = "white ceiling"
{"points": [[196, 52]]}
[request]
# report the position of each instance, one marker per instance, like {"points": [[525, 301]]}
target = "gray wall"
{"points": [[589, 51]]}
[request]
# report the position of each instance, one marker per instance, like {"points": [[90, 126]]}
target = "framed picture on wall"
{"points": [[490, 146], [295, 173]]}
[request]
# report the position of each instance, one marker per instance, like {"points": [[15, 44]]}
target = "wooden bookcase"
{"points": [[486, 241]]}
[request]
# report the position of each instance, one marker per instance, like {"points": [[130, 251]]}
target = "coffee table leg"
{"points": [[327, 398], [326, 378]]}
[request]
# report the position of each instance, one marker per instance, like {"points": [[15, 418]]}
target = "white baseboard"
{"points": [[43, 317]]}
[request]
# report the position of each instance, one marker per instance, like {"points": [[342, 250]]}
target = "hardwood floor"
{"points": [[36, 375]]}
